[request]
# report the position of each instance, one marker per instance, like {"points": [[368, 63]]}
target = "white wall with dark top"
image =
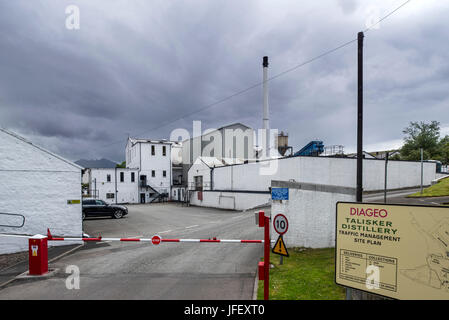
{"points": [[310, 210], [317, 170], [323, 170]]}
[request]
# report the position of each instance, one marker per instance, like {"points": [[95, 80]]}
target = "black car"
{"points": [[94, 207]]}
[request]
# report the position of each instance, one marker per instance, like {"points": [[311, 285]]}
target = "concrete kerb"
{"points": [[51, 272], [256, 284], [26, 277]]}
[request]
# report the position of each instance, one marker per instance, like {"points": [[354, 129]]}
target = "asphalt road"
{"points": [[119, 270], [400, 197]]}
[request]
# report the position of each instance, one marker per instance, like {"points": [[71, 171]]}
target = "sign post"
{"points": [[396, 251]]}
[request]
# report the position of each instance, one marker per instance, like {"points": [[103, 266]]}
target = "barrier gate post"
{"points": [[38, 255], [264, 267], [267, 245]]}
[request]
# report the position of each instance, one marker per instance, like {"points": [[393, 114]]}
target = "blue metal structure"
{"points": [[313, 148]]}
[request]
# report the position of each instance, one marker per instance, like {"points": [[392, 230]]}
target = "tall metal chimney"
{"points": [[266, 120]]}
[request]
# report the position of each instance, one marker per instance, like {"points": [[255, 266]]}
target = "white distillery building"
{"points": [[234, 141], [178, 189], [152, 158], [113, 185], [38, 190]]}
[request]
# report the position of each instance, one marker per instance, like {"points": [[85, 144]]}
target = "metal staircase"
{"points": [[157, 196]]}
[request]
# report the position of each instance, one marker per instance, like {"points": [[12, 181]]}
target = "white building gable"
{"points": [[42, 187]]}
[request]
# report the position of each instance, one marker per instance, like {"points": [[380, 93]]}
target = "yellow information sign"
{"points": [[398, 251], [280, 248]]}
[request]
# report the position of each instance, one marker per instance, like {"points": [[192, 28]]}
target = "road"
{"points": [[119, 270], [400, 197]]}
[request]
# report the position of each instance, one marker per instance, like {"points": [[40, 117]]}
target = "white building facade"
{"points": [[152, 158], [37, 189], [234, 141], [114, 185]]}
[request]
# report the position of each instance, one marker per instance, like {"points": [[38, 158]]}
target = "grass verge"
{"points": [[308, 274], [440, 189]]}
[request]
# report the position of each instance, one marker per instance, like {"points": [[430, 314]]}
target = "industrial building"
{"points": [[234, 141], [152, 158], [113, 185]]}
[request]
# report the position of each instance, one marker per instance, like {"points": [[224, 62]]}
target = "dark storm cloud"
{"points": [[136, 66]]}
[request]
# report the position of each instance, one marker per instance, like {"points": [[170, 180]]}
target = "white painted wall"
{"points": [[199, 168], [178, 193], [158, 163], [139, 155], [318, 170], [330, 171], [230, 200], [127, 191], [37, 184], [311, 217]]}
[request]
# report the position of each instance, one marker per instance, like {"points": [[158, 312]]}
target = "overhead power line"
{"points": [[261, 82]]}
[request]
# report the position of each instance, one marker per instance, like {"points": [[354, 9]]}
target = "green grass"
{"points": [[439, 189], [308, 274]]}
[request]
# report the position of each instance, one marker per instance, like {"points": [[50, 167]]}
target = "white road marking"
{"points": [[166, 231], [195, 225]]}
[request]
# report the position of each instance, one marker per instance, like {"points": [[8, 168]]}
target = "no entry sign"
{"points": [[280, 224], [156, 240]]}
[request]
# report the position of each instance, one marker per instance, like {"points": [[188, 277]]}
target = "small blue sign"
{"points": [[279, 193]]}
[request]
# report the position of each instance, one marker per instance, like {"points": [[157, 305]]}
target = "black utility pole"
{"points": [[386, 170], [359, 117]]}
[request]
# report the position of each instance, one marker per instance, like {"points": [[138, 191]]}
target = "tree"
{"points": [[121, 165], [422, 135], [444, 150]]}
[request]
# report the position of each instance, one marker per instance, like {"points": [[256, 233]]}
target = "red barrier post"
{"points": [[38, 255], [267, 246]]}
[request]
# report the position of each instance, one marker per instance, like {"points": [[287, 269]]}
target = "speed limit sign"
{"points": [[280, 224]]}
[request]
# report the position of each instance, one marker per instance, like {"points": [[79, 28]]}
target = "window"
{"points": [[153, 173], [164, 173], [109, 196], [122, 177], [132, 177], [108, 178], [164, 151], [153, 151]]}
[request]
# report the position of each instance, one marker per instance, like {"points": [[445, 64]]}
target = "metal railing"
{"points": [[12, 215]]}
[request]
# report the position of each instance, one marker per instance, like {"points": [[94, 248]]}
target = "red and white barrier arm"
{"points": [[162, 240], [214, 240]]}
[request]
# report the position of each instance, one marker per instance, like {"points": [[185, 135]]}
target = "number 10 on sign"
{"points": [[280, 224]]}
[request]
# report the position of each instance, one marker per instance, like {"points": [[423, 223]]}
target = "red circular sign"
{"points": [[280, 223], [156, 240]]}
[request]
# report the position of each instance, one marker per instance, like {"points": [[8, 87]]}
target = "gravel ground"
{"points": [[8, 260]]}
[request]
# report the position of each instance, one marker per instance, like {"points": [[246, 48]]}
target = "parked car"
{"points": [[95, 208]]}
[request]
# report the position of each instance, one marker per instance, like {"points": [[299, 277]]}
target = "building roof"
{"points": [[139, 140], [213, 162], [221, 128], [113, 169], [16, 136]]}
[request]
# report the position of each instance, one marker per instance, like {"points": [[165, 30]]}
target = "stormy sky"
{"points": [[144, 68]]}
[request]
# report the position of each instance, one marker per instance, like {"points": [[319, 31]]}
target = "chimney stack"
{"points": [[266, 120]]}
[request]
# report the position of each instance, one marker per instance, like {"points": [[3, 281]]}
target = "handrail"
{"points": [[13, 214]]}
